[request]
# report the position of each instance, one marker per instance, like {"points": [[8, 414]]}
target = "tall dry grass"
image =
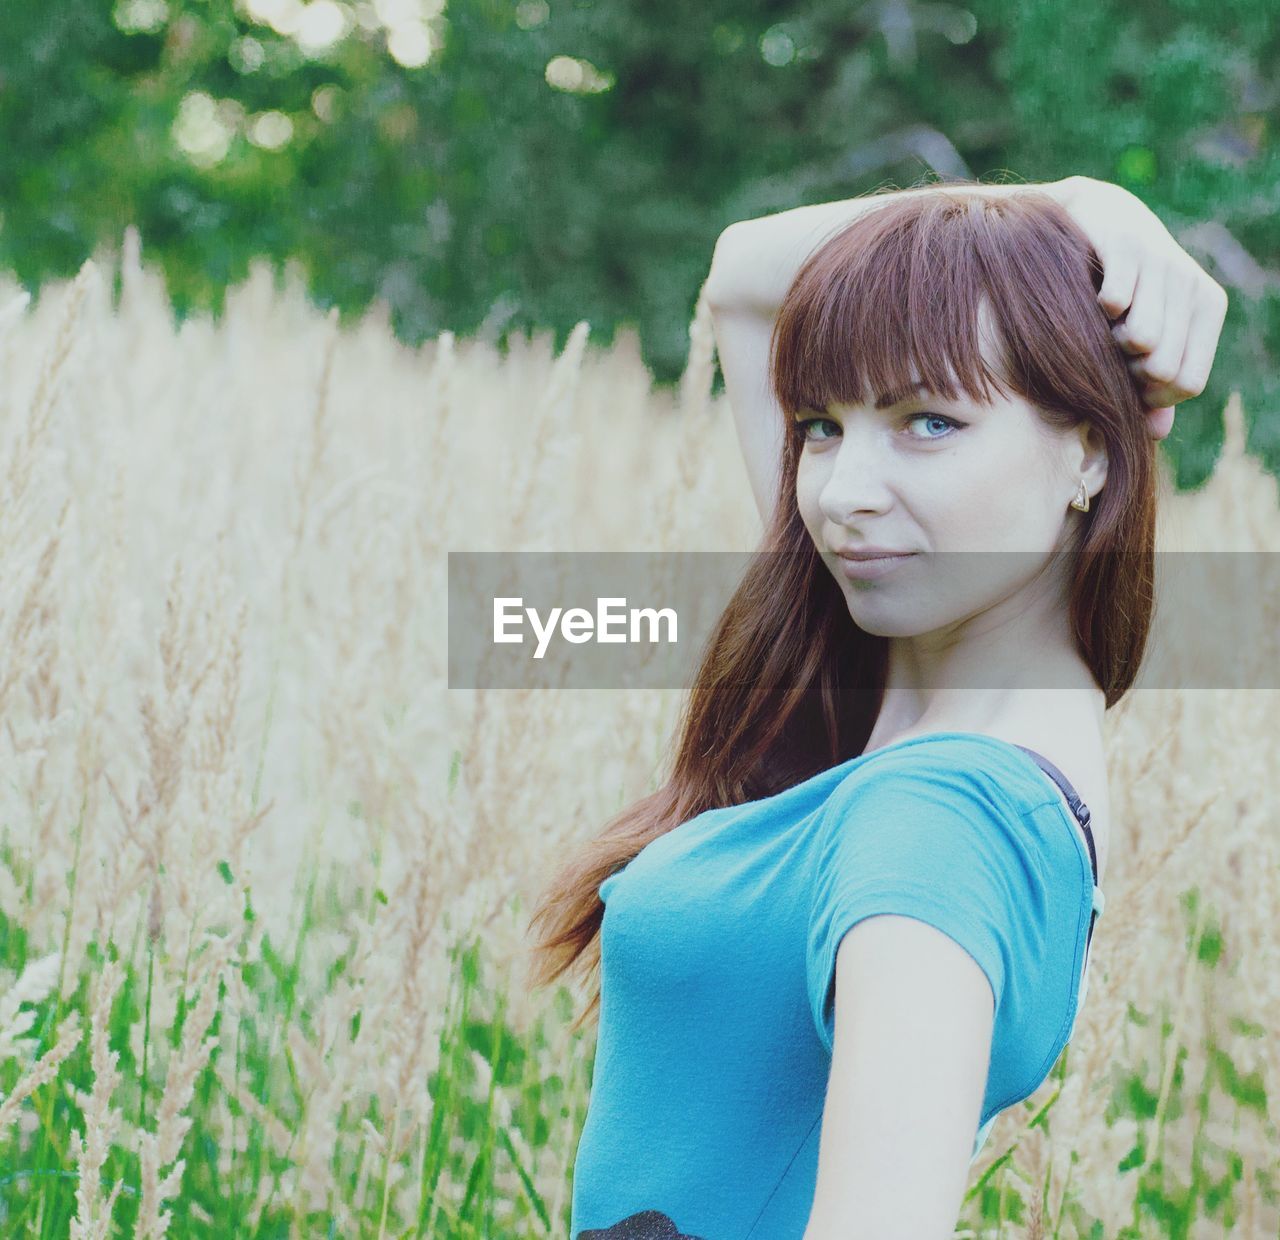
{"points": [[248, 832]]}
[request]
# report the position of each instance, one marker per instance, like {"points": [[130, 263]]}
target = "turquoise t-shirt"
{"points": [[718, 949]]}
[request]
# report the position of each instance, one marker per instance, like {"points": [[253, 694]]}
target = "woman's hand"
{"points": [[1168, 310]]}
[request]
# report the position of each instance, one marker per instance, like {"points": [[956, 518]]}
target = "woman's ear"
{"points": [[1089, 459]]}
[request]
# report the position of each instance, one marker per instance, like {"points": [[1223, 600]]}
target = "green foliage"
{"points": [[1169, 1199], [475, 1144], [470, 1142], [554, 160]]}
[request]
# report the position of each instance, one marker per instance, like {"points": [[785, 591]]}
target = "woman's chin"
{"points": [[884, 624]]}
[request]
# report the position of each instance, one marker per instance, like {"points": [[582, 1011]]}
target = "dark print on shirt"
{"points": [[647, 1225]]}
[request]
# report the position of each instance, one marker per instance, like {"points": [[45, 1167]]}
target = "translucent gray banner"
{"points": [[621, 620]]}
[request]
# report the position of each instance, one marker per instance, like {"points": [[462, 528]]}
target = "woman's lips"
{"points": [[864, 567]]}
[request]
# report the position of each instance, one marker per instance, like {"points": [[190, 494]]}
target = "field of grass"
{"points": [[264, 880]]}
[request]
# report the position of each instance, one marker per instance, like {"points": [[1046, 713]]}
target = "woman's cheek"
{"points": [[808, 489]]}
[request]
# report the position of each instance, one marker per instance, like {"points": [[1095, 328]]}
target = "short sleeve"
{"points": [[940, 840]]}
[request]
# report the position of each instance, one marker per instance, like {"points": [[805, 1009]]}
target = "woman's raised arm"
{"points": [[1167, 311]]}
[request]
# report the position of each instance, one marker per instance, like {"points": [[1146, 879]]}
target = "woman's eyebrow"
{"points": [[900, 394], [884, 401]]}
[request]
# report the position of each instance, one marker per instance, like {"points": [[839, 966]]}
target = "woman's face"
{"points": [[980, 493]]}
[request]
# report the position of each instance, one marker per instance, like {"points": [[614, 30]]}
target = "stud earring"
{"points": [[1081, 501]]}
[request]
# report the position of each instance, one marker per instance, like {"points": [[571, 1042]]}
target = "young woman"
{"points": [[855, 923]]}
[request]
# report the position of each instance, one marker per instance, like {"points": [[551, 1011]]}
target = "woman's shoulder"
{"points": [[982, 771], [960, 761], [940, 783], [1078, 752]]}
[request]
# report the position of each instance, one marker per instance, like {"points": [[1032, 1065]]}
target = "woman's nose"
{"points": [[859, 483]]}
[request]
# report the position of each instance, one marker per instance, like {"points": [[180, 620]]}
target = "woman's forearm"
{"points": [[756, 260]]}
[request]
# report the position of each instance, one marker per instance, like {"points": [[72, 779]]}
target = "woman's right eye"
{"points": [[803, 425]]}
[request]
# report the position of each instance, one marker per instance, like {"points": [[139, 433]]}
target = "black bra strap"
{"points": [[1078, 808]]}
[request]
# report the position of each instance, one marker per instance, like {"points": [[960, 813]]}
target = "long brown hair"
{"points": [[789, 686]]}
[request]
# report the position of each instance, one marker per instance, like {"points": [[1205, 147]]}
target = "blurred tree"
{"points": [[496, 167]]}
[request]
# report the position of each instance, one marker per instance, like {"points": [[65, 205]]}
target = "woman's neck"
{"points": [[1025, 717]]}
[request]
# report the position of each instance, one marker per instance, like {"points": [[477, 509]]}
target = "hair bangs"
{"points": [[892, 301]]}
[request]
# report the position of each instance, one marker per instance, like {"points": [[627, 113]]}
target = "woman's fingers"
{"points": [[1119, 275], [1202, 341], [1162, 364], [1160, 422], [1169, 310], [1140, 331], [1191, 335]]}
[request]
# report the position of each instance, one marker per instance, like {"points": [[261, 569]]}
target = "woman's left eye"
{"points": [[802, 425], [949, 424]]}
